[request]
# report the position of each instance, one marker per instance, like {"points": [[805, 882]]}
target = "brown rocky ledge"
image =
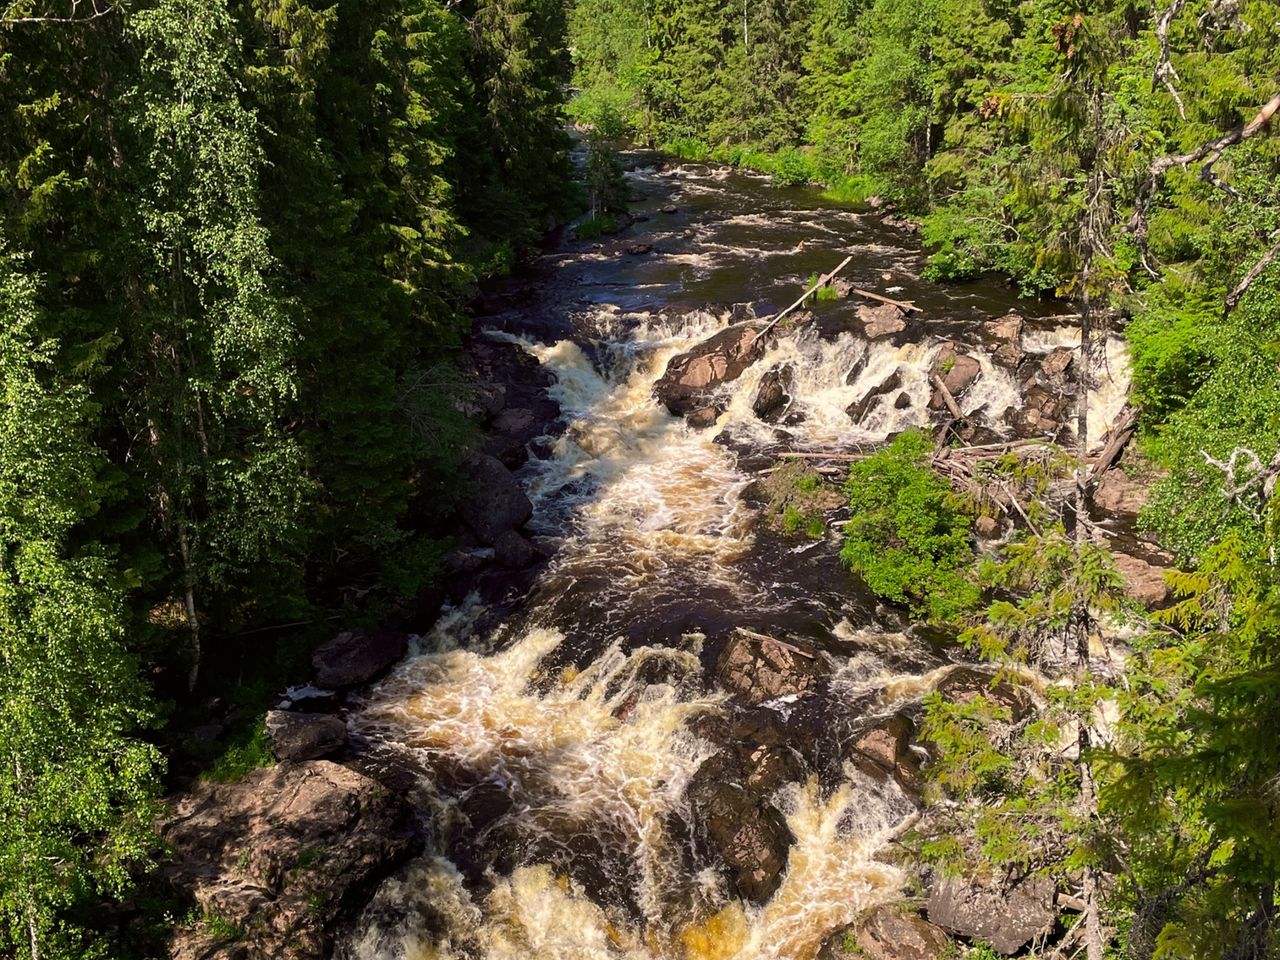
{"points": [[276, 861]]}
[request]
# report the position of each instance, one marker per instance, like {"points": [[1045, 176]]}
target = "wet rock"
{"points": [[513, 550], [282, 853], [1117, 492], [1144, 582], [772, 394], [704, 417], [1042, 413], [890, 933], [735, 822], [902, 401], [754, 670], [351, 659], [1007, 917], [305, 736], [962, 684], [861, 407], [1008, 331], [902, 223], [1054, 367], [691, 378], [670, 208], [956, 370], [887, 745], [881, 321], [747, 836], [639, 249], [495, 503]]}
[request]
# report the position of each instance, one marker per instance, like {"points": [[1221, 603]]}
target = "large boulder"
{"points": [[691, 378], [1006, 916], [1043, 412], [305, 736], [283, 855], [963, 683], [881, 321], [889, 933], [495, 502], [1117, 492], [735, 823], [1144, 582], [351, 659], [754, 669], [956, 370]]}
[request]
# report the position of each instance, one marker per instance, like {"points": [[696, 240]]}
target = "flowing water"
{"points": [[553, 738]]}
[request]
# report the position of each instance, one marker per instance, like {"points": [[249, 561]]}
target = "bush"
{"points": [[908, 538]]}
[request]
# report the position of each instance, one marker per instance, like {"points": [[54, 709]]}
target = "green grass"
{"points": [[594, 227], [220, 928], [249, 751], [822, 294]]}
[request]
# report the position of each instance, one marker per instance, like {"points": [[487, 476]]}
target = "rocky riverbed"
{"points": [[640, 722]]}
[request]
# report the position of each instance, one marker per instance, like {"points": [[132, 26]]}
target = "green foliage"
{"points": [[908, 537], [78, 786], [247, 751], [799, 500], [824, 294]]}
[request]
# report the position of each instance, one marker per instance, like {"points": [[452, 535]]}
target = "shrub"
{"points": [[908, 538]]}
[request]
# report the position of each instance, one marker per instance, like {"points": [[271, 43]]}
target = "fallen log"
{"points": [[906, 306], [947, 398], [821, 281], [774, 640], [1119, 437]]}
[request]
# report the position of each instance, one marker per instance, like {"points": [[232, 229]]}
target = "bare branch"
{"points": [[1234, 297], [75, 15], [1165, 73]]}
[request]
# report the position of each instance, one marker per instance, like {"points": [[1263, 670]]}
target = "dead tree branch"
{"points": [[76, 15], [1165, 72], [1241, 288]]}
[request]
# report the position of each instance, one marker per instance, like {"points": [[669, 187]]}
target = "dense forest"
{"points": [[237, 242]]}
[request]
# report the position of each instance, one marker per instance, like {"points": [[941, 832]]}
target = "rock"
{"points": [[755, 670], [902, 401], [888, 746], [704, 417], [881, 321], [962, 684], [771, 396], [1008, 330], [956, 370], [1008, 918], [890, 933], [691, 378], [514, 551], [495, 502], [1055, 366], [305, 736], [282, 853], [1116, 492], [1143, 582], [350, 659], [1041, 413], [987, 528], [734, 820], [744, 833], [860, 408], [640, 249], [670, 208]]}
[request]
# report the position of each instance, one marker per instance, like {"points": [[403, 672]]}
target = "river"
{"points": [[557, 739]]}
